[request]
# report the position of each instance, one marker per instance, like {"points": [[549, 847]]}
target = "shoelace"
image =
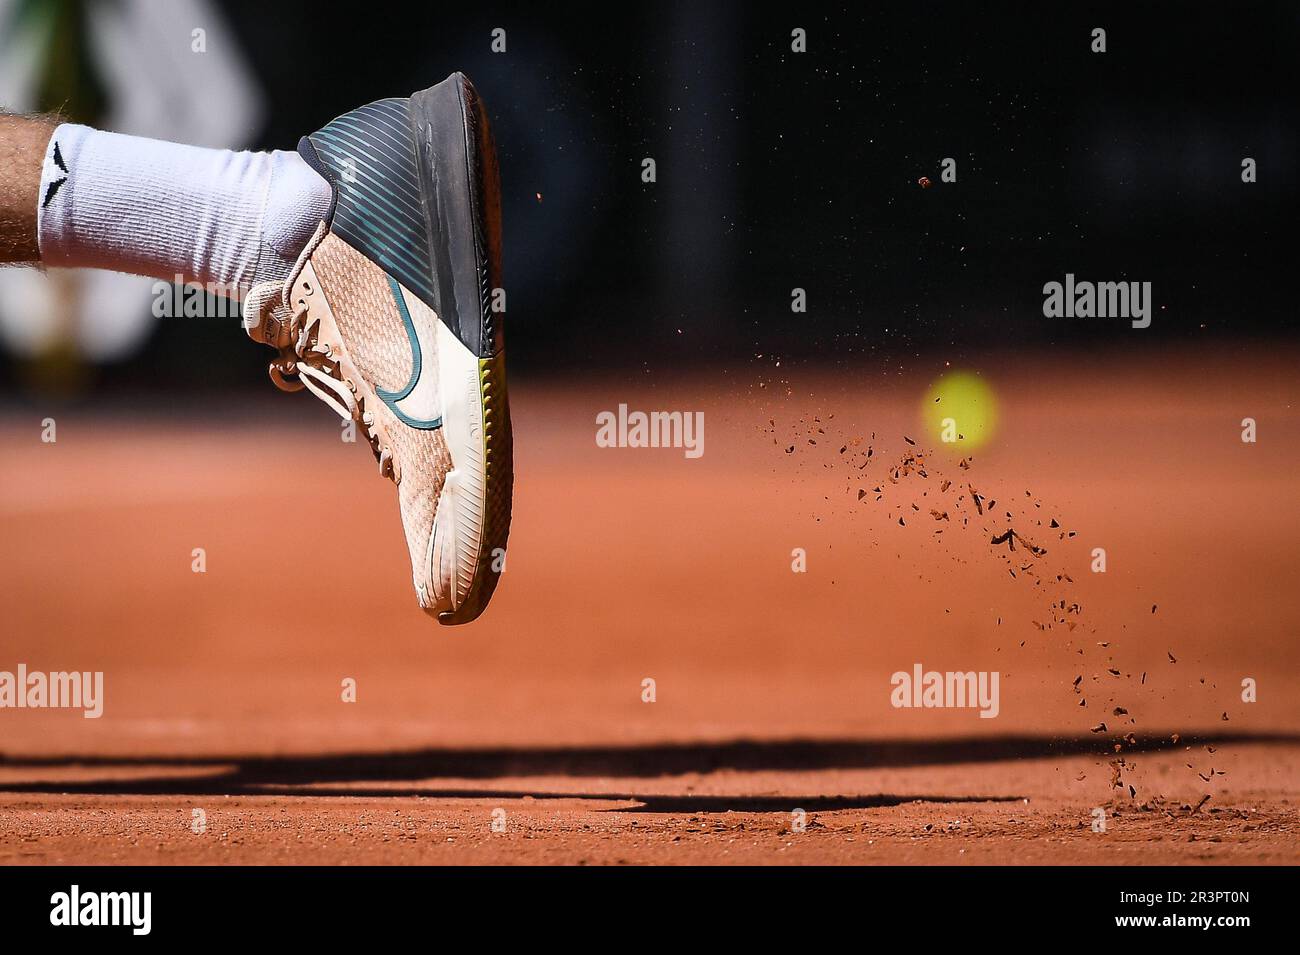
{"points": [[307, 362]]}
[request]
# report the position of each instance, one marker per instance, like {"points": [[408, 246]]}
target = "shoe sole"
{"points": [[461, 192]]}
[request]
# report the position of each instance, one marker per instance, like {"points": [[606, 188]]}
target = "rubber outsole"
{"points": [[462, 196]]}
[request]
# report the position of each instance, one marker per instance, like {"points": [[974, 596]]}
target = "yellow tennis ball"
{"points": [[960, 412]]}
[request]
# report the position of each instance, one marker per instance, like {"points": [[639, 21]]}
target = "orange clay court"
{"points": [[772, 688]]}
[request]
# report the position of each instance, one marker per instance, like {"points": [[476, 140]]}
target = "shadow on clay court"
{"points": [[339, 775]]}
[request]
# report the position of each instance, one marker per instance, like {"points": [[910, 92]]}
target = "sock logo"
{"points": [[53, 187]]}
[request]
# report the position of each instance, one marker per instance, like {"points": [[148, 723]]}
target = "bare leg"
{"points": [[22, 150]]}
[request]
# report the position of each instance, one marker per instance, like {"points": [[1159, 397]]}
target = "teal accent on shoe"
{"points": [[391, 398], [370, 155]]}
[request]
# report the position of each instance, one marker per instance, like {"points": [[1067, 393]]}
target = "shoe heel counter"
{"points": [[369, 157]]}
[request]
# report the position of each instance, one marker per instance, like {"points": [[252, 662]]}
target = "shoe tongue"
{"points": [[266, 317]]}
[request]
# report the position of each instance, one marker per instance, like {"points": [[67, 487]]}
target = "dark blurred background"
{"points": [[779, 170]]}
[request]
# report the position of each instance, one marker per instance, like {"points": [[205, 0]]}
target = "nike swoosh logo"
{"points": [[417, 404]]}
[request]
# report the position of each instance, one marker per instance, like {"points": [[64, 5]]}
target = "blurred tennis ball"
{"points": [[960, 412]]}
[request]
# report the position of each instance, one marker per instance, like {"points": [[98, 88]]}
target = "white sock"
{"points": [[161, 209]]}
